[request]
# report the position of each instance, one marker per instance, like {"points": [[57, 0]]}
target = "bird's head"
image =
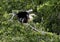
{"points": [[31, 17]]}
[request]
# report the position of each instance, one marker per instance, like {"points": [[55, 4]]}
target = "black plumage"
{"points": [[23, 17]]}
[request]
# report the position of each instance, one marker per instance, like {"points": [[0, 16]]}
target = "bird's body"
{"points": [[23, 16]]}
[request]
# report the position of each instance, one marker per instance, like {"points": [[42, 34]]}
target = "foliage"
{"points": [[50, 12], [47, 19]]}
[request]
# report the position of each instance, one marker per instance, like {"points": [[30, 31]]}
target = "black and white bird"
{"points": [[23, 16]]}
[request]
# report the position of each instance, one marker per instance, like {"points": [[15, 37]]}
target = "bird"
{"points": [[23, 16]]}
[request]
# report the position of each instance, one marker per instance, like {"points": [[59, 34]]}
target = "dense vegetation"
{"points": [[47, 20]]}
